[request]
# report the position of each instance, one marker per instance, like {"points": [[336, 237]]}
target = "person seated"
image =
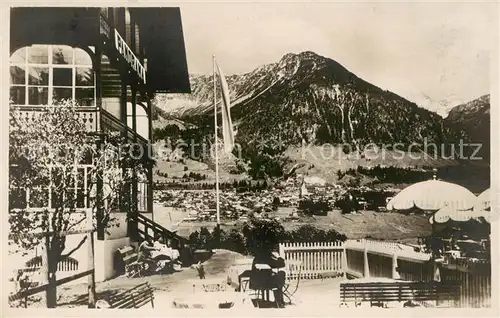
{"points": [[164, 254], [144, 253], [268, 273]]}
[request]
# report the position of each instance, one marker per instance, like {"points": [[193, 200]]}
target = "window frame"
{"points": [[87, 182], [50, 65]]}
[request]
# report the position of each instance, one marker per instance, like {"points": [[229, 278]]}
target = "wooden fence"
{"points": [[318, 260], [65, 265], [475, 288], [365, 258], [49, 285]]}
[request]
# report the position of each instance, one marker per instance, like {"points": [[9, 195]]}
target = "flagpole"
{"points": [[216, 149]]}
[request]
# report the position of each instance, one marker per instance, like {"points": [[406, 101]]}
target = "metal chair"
{"points": [[294, 270]]}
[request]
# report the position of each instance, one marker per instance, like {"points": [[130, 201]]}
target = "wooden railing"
{"points": [[318, 259], [88, 115], [111, 122], [49, 284], [475, 288], [67, 264], [147, 228], [465, 264]]}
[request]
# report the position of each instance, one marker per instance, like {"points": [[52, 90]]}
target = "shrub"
{"points": [[347, 204], [234, 241], [260, 235], [311, 207], [310, 233], [276, 203], [263, 235], [201, 239]]}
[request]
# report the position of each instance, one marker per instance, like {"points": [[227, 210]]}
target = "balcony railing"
{"points": [[89, 116]]}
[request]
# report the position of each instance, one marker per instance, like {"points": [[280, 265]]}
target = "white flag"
{"points": [[227, 125]]}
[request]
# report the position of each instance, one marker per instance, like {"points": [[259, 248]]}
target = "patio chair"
{"points": [[259, 285], [292, 282]]}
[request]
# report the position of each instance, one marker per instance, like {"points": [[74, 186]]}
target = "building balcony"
{"points": [[88, 115]]}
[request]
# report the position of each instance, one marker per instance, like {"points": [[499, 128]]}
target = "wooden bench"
{"points": [[129, 258], [380, 293], [135, 297]]}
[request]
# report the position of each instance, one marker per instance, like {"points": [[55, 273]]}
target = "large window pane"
{"points": [[56, 199], [62, 73], [80, 178], [70, 196], [39, 198], [86, 158], [62, 77], [82, 58], [18, 95], [62, 54], [38, 95], [80, 191], [84, 76], [90, 185], [17, 199], [80, 198], [61, 93], [38, 76], [19, 56], [17, 74], [84, 96], [38, 54]]}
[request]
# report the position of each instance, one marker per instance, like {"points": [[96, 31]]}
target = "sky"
{"points": [[434, 54]]}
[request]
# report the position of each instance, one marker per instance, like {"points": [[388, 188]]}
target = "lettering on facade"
{"points": [[129, 56]]}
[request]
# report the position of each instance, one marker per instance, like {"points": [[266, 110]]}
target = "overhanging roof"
{"points": [[48, 25], [161, 32]]}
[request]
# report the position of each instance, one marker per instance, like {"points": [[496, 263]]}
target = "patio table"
{"points": [[241, 271], [238, 268]]}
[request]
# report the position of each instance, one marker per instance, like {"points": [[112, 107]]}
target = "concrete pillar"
{"points": [[395, 274], [366, 267], [436, 272], [344, 261]]}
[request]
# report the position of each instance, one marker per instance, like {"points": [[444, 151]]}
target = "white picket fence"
{"points": [[317, 259]]}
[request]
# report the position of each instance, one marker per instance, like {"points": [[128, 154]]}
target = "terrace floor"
{"points": [[171, 286], [311, 294]]}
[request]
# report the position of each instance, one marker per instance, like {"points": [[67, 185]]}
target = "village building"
{"points": [[111, 61]]}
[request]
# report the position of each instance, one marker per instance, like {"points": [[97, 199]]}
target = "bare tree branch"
{"points": [[82, 241]]}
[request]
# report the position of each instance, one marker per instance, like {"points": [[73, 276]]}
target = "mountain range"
{"points": [[473, 118], [309, 98]]}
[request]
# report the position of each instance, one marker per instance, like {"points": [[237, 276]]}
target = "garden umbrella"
{"points": [[433, 195]]}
